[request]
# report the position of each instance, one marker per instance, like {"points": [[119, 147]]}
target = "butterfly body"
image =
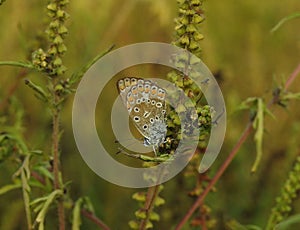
{"points": [[145, 102]]}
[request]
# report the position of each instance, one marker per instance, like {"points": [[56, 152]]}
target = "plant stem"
{"points": [[150, 199], [95, 219], [214, 180], [230, 157], [292, 77], [56, 157]]}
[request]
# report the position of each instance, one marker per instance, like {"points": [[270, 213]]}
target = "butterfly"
{"points": [[145, 103]]}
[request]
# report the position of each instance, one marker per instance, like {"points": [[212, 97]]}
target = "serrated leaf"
{"points": [[6, 188]]}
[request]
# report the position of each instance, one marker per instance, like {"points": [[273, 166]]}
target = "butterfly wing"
{"points": [[145, 102]]}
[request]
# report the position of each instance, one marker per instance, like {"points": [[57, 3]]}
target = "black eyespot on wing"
{"points": [[136, 118]]}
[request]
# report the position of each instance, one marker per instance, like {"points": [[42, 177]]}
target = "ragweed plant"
{"points": [[38, 170], [187, 36]]}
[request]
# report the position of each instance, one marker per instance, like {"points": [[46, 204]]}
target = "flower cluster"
{"points": [[187, 23], [141, 214], [188, 37], [289, 192], [50, 61]]}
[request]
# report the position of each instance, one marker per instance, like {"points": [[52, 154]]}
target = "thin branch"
{"points": [[38, 177], [56, 159], [94, 219], [292, 77], [214, 180], [230, 157], [150, 200]]}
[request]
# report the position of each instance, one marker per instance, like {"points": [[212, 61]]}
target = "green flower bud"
{"points": [[60, 14], [197, 36], [184, 40], [61, 48], [52, 6], [58, 40]]}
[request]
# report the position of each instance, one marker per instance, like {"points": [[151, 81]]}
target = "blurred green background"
{"points": [[238, 47]]}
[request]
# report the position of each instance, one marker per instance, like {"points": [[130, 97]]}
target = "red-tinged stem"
{"points": [[230, 157], [94, 219], [214, 180], [292, 77]]}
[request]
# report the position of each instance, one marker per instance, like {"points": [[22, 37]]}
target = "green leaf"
{"points": [[291, 96], [288, 223], [42, 169], [9, 187], [246, 103], [38, 200], [38, 208], [258, 109], [258, 125], [76, 222], [37, 152], [27, 65], [49, 200], [88, 204], [40, 92], [284, 20], [24, 173], [235, 225]]}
